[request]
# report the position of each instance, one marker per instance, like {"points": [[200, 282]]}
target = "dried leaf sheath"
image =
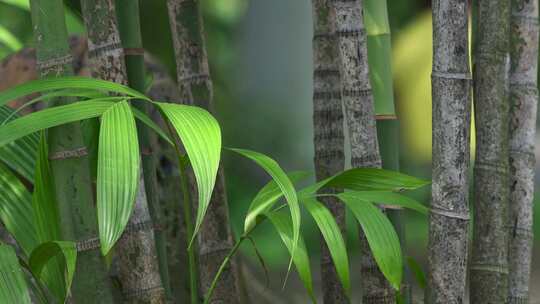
{"points": [[523, 100], [449, 216], [328, 132]]}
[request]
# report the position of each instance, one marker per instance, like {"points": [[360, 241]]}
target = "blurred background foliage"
{"points": [[261, 63]]}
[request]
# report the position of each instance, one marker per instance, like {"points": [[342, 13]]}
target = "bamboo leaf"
{"points": [[51, 117], [49, 251], [297, 249], [13, 288], [47, 222], [151, 124], [64, 83], [284, 183], [418, 273], [117, 173], [201, 137], [381, 236], [8, 39], [366, 179], [333, 238], [389, 198], [19, 155], [267, 197], [16, 210]]}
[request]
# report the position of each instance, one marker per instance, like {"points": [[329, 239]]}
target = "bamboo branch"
{"points": [[71, 175], [193, 76], [136, 251], [449, 216], [524, 99], [328, 132], [489, 261]]}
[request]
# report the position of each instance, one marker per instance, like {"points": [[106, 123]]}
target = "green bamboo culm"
{"points": [[130, 33], [380, 70], [69, 160]]}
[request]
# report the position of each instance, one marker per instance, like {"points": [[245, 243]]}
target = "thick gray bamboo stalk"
{"points": [[360, 115], [451, 97], [328, 132], [524, 99], [489, 260], [136, 257], [69, 160], [193, 76]]}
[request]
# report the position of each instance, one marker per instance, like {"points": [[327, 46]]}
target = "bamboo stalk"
{"points": [[136, 251], [449, 216], [71, 174], [328, 132], [215, 238], [524, 99], [357, 98], [380, 72], [489, 265]]}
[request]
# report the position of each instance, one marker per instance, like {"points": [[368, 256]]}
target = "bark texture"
{"points": [[72, 180], [328, 132], [523, 99], [451, 97], [360, 115], [489, 261], [193, 77], [136, 262]]}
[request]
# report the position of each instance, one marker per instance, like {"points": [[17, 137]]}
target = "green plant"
{"points": [[118, 162]]}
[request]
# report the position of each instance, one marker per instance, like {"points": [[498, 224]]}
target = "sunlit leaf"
{"points": [[60, 251], [299, 253], [389, 198], [51, 117], [64, 83], [19, 155], [16, 210], [13, 288], [201, 137], [8, 39], [117, 173], [151, 124], [284, 183], [333, 238], [267, 197], [381, 236]]}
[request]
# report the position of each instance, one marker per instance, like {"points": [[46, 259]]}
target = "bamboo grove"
{"points": [[112, 187]]}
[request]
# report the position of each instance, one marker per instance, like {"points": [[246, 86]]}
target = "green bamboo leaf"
{"points": [[47, 222], [117, 173], [297, 249], [9, 40], [19, 155], [54, 251], [16, 210], [13, 288], [63, 83], [22, 4], [333, 238], [267, 197], [381, 236], [284, 183], [51, 117], [418, 273], [389, 198], [151, 124], [365, 179], [201, 137]]}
